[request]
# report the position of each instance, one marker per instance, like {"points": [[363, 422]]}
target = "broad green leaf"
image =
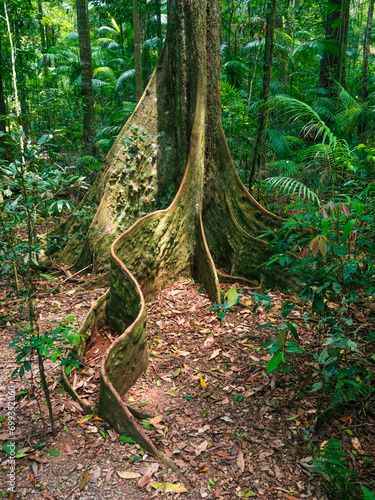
{"points": [[275, 361], [247, 493], [317, 386], [348, 228], [126, 439], [176, 373], [9, 447], [53, 453], [232, 296]]}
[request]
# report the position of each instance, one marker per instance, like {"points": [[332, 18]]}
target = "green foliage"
{"points": [[47, 344], [367, 495], [231, 298], [330, 461], [280, 347]]}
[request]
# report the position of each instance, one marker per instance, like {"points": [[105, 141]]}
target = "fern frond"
{"points": [[347, 393], [105, 132], [290, 187], [367, 495]]}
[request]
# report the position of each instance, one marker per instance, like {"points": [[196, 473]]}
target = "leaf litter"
{"points": [[232, 429]]}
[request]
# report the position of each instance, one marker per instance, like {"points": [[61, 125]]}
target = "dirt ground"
{"points": [[233, 430]]}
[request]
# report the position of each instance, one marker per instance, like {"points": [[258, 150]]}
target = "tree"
{"points": [[86, 74], [267, 74], [137, 51], [172, 151], [3, 109], [332, 66], [366, 51]]}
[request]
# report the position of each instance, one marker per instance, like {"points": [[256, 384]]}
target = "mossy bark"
{"points": [[173, 148]]}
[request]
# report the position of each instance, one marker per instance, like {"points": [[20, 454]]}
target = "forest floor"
{"points": [[233, 430]]}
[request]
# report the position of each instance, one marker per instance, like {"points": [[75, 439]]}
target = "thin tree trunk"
{"points": [[2, 98], [256, 61], [344, 31], [330, 61], [158, 25], [14, 76], [366, 51], [86, 75], [267, 75], [137, 51], [42, 38], [21, 73]]}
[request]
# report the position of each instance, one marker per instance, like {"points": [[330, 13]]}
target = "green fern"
{"points": [[330, 461], [291, 187], [347, 393], [367, 495]]}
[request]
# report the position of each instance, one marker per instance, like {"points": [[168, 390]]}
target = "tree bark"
{"points": [[332, 66], [137, 51], [3, 109], [153, 155], [366, 51], [267, 75], [174, 149], [344, 32], [158, 25], [86, 75]]}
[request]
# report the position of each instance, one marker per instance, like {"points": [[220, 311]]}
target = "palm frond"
{"points": [[277, 142], [287, 168], [108, 132], [96, 83], [301, 111], [291, 187], [318, 46], [236, 69], [127, 75], [152, 43], [109, 29], [253, 45], [106, 74]]}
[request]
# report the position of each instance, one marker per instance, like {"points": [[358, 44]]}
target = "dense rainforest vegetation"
{"points": [[115, 112]]}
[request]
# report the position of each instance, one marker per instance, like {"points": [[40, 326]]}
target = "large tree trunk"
{"points": [[172, 148], [86, 75], [259, 155]]}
